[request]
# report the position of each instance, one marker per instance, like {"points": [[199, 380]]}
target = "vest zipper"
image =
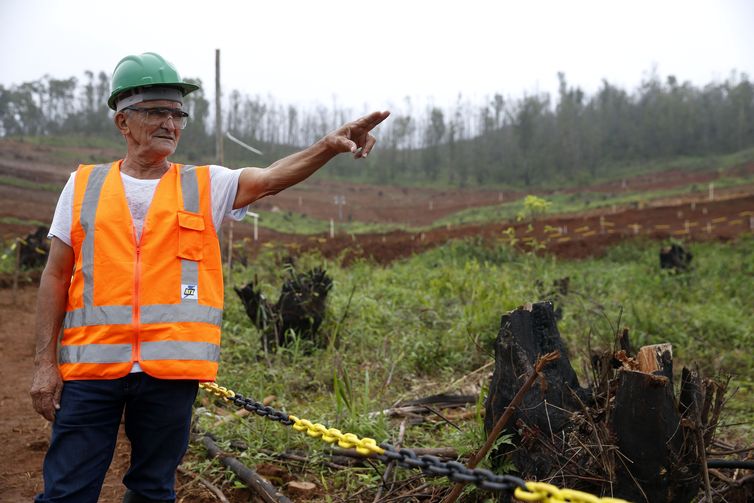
{"points": [[136, 311]]}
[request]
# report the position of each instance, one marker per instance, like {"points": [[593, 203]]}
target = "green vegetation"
{"points": [[412, 328], [111, 141], [23, 183], [536, 141], [298, 223]]}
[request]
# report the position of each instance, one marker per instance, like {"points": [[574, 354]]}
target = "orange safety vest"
{"points": [[159, 301]]}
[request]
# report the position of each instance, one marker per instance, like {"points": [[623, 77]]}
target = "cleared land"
{"points": [[30, 174]]}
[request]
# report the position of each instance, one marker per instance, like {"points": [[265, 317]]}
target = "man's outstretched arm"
{"points": [[354, 137]]}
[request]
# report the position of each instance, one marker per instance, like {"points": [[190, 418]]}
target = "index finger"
{"points": [[371, 121]]}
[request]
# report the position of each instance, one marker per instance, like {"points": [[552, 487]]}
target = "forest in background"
{"points": [[530, 141]]}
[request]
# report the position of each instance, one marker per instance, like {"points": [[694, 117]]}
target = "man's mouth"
{"points": [[165, 137]]}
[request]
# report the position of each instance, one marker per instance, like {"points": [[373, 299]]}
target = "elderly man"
{"points": [[134, 280]]}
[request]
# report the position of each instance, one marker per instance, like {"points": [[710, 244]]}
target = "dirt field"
{"points": [[25, 433]]}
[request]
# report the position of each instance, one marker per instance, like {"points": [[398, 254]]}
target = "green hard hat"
{"points": [[145, 70]]}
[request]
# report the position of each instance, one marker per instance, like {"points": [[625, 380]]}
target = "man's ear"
{"points": [[120, 122]]}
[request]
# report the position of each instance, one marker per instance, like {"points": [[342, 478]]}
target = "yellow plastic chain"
{"points": [[364, 446], [540, 491], [219, 391]]}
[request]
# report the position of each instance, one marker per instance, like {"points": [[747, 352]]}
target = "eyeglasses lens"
{"points": [[160, 115]]}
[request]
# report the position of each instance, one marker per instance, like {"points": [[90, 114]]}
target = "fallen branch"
{"points": [[216, 491], [304, 459], [252, 479], [542, 361], [729, 452]]}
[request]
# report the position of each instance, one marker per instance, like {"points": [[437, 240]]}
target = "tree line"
{"points": [[521, 141]]}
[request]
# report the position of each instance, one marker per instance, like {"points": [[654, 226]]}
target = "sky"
{"points": [[362, 55]]}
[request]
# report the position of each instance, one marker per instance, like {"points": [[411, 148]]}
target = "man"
{"points": [[134, 280]]}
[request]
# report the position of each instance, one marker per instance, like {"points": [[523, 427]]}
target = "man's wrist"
{"points": [[43, 361], [326, 148]]}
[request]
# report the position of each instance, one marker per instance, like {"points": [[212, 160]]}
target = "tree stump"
{"points": [[34, 249], [624, 436], [659, 461], [299, 309], [525, 334], [676, 258]]}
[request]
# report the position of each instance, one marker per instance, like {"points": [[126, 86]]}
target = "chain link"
{"points": [[247, 403], [364, 446], [455, 471]]}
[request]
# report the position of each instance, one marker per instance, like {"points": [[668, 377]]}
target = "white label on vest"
{"points": [[189, 292]]}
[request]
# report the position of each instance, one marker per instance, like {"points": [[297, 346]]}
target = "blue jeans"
{"points": [[85, 430]]}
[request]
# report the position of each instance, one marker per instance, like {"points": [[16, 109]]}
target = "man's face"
{"points": [[150, 133]]}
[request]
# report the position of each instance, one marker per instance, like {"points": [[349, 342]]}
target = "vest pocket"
{"points": [[190, 235]]}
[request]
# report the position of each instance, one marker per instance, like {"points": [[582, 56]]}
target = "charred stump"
{"points": [[34, 249], [525, 334], [675, 258], [300, 308], [625, 436]]}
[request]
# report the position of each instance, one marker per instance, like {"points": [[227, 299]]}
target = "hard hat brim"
{"points": [[184, 87]]}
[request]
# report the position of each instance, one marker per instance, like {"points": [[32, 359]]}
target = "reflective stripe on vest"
{"points": [[121, 353], [189, 310], [95, 353], [169, 350], [88, 214]]}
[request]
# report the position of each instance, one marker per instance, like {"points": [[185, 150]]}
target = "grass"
{"points": [[71, 140], [290, 222], [409, 329], [23, 183]]}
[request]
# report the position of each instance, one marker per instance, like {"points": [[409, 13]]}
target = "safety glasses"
{"points": [[158, 115]]}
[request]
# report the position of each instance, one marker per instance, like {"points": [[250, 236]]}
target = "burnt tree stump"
{"points": [[660, 463], [34, 249], [675, 258], [624, 436], [300, 308], [525, 334]]}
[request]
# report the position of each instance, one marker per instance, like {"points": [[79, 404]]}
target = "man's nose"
{"points": [[169, 123]]}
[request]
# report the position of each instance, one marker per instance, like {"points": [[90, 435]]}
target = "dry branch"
{"points": [[252, 479]]}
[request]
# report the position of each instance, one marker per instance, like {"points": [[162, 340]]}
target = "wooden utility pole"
{"points": [[219, 143], [16, 270], [218, 112]]}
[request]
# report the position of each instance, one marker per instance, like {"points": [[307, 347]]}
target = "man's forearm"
{"points": [[296, 167], [51, 303], [255, 183]]}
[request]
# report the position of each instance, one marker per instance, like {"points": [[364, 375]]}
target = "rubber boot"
{"points": [[132, 497]]}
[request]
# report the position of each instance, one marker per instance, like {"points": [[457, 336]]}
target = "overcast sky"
{"points": [[376, 53]]}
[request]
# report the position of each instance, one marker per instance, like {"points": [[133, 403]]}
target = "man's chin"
{"points": [[165, 147]]}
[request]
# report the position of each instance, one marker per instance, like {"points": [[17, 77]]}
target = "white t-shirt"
{"points": [[139, 193]]}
